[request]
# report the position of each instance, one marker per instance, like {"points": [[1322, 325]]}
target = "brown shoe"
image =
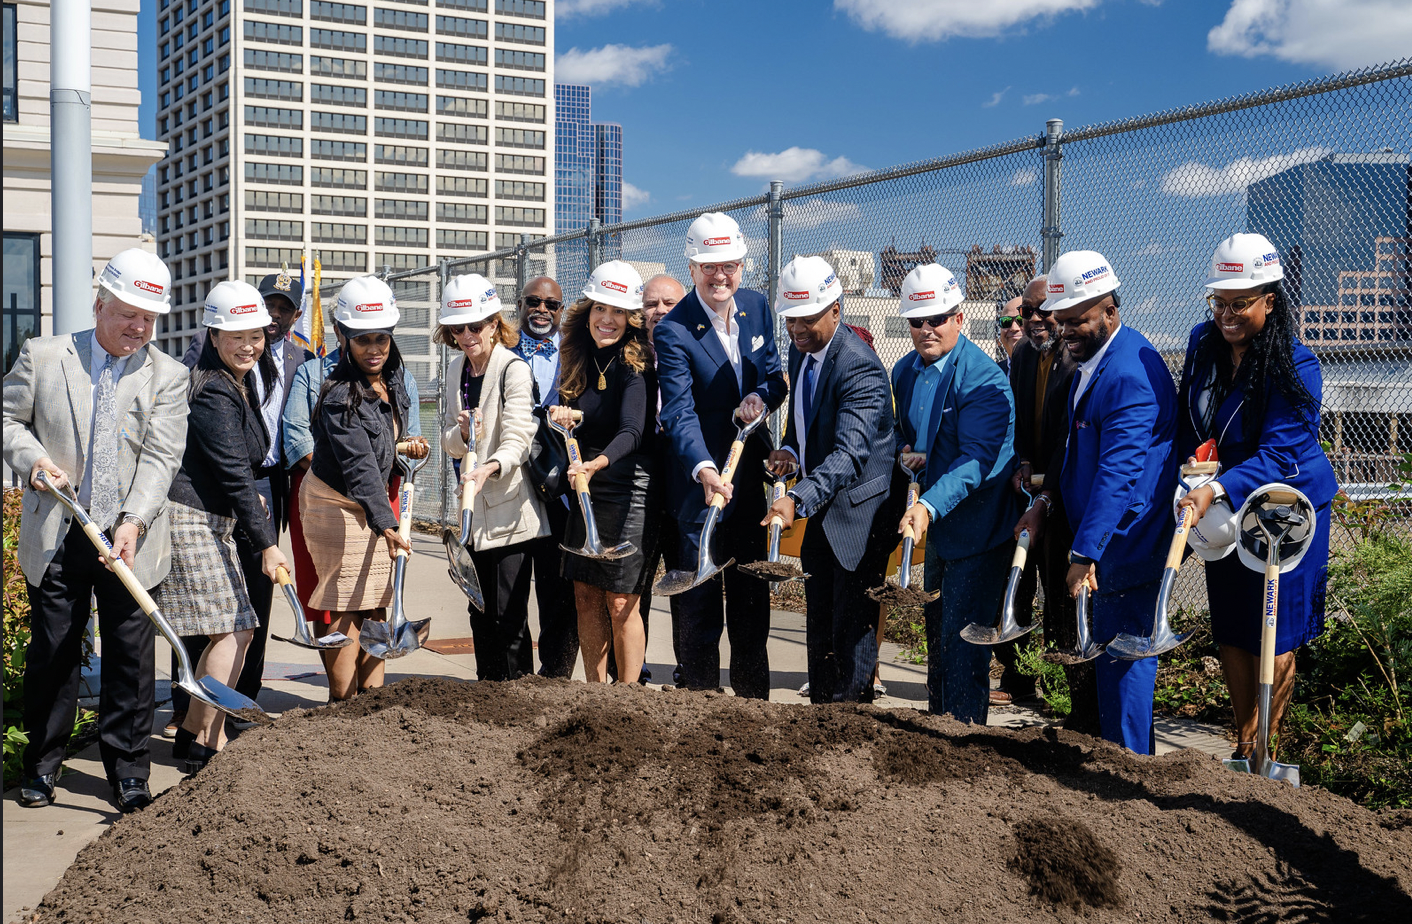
{"points": [[1000, 698]]}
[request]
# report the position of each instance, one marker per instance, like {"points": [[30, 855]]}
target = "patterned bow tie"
{"points": [[535, 347]]}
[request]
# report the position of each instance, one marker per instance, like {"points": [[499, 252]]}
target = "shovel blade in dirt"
{"points": [[1086, 649], [1238, 764], [393, 638], [1129, 647], [1009, 627], [302, 636], [463, 569]]}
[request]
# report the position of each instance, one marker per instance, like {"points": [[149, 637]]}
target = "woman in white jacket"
{"points": [[492, 389]]}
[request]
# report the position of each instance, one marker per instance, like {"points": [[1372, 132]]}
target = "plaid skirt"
{"points": [[205, 592]]}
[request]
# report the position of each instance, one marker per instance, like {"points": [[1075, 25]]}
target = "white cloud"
{"points": [[794, 165], [935, 20], [1194, 180], [1024, 176], [995, 99], [813, 212], [1325, 33], [633, 197], [568, 8], [1034, 99], [621, 64]]}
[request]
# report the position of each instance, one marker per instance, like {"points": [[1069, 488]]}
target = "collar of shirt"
{"points": [[728, 335], [1087, 366], [273, 409], [98, 356]]}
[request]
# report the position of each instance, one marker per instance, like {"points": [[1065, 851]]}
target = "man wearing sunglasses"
{"points": [[955, 425], [716, 359], [1009, 329]]}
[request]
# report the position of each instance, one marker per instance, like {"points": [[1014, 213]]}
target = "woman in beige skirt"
{"points": [[349, 524]]}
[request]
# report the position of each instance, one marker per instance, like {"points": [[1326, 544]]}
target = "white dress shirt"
{"points": [[729, 336], [98, 358], [1087, 366], [801, 425], [272, 410]]}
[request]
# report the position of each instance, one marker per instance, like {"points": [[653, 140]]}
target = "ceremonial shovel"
{"points": [[772, 569], [458, 553], [208, 690], [593, 546], [903, 594], [1087, 648], [1009, 627], [302, 638], [674, 582], [397, 636]]}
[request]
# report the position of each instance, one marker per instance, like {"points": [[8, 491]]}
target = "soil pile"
{"points": [[541, 801]]}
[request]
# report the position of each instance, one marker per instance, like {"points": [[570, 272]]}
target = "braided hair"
{"points": [[1269, 360]]}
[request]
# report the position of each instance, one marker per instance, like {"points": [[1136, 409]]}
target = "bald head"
{"points": [[660, 296]]}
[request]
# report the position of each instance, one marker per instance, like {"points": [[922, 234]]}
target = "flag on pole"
{"points": [[309, 329]]}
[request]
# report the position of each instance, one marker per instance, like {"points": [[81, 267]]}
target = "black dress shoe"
{"points": [[130, 795], [197, 757], [181, 744], [37, 791]]}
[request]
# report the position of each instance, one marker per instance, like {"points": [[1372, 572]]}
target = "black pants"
{"points": [[558, 613], [59, 611], [744, 613], [841, 620], [504, 649], [1060, 620]]}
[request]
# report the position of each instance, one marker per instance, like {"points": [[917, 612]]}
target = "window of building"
{"points": [[399, 73], [275, 33], [396, 47], [348, 69], [399, 128], [334, 95], [519, 163], [348, 13], [355, 42], [274, 145], [529, 9], [400, 182], [464, 213], [462, 54], [405, 20], [519, 216], [274, 229], [401, 208], [399, 236], [11, 108], [405, 155], [460, 106], [267, 88], [396, 99], [519, 60], [274, 7], [257, 59], [400, 261], [339, 177], [21, 282], [322, 149], [262, 200], [355, 206], [462, 240], [515, 32], [461, 160], [327, 232], [459, 25], [519, 112], [519, 189], [280, 174], [348, 261], [272, 257], [269, 117], [519, 86], [462, 133], [462, 80], [461, 186], [348, 123], [519, 138]]}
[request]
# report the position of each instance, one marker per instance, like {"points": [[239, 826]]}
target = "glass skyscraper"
{"points": [[588, 179]]}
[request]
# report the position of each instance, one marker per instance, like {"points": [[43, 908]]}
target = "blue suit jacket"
{"points": [[1283, 447], [849, 446], [700, 394], [970, 449], [1118, 477]]}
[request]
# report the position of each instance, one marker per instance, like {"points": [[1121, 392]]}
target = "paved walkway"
{"points": [[39, 844]]}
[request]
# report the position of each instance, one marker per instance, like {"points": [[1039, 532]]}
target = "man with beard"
{"points": [[541, 308], [1117, 479]]}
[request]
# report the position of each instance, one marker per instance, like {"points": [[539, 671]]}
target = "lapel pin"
{"points": [[701, 327]]}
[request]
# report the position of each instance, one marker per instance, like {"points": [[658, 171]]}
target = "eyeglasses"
{"points": [[475, 328], [1029, 311], [534, 301], [1006, 320], [1239, 306], [710, 269], [936, 321]]}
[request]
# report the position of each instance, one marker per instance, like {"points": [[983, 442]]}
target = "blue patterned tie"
{"points": [[807, 383], [103, 490]]}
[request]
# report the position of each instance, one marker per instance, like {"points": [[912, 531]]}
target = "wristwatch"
{"points": [[135, 520]]}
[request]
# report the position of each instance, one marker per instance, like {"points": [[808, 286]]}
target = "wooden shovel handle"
{"points": [[282, 576], [1174, 554], [732, 460], [468, 490], [1201, 468], [1282, 497]]}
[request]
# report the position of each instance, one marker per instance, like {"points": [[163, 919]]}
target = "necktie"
{"points": [[534, 347], [103, 493], [807, 382]]}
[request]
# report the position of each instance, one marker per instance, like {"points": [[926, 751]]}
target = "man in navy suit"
{"points": [[1118, 479], [716, 358], [839, 429], [954, 405]]}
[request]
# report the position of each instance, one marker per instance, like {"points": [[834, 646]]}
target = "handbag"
{"points": [[548, 456]]}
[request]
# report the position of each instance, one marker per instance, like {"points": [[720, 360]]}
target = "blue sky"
{"points": [[715, 98]]}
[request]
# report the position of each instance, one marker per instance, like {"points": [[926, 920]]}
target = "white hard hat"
{"points": [[930, 290], [366, 303], [714, 238], [1244, 261], [468, 299], [808, 285], [235, 305], [139, 279], [1076, 277], [1287, 504], [615, 283], [1214, 536]]}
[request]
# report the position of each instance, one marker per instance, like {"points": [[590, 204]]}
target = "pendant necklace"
{"points": [[602, 381]]}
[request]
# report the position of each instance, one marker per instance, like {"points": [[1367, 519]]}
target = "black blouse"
{"points": [[619, 420], [354, 454]]}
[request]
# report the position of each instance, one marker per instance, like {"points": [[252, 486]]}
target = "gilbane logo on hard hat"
{"points": [[468, 299], [1230, 267], [716, 241], [615, 283], [244, 309], [795, 296], [931, 289], [1244, 261], [808, 286], [146, 286], [922, 296]]}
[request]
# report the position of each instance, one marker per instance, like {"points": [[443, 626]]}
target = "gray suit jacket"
{"points": [[48, 412], [849, 450]]}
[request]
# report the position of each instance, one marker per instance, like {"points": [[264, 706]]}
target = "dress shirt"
{"points": [[272, 410], [920, 413], [1086, 368], [729, 337], [545, 368], [98, 357], [800, 422]]}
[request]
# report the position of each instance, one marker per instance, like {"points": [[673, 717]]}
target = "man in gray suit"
{"points": [[840, 431], [103, 411]]}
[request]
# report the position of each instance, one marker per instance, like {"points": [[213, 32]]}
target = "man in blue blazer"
{"points": [[955, 409], [1117, 482], [716, 358], [839, 429]]}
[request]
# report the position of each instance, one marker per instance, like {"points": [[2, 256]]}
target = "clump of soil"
{"points": [[1065, 863], [892, 595], [543, 801], [773, 570], [1063, 658]]}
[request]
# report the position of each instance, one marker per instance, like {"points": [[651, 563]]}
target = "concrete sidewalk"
{"points": [[39, 844]]}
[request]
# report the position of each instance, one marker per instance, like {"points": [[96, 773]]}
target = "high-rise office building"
{"points": [[394, 133], [588, 179]]}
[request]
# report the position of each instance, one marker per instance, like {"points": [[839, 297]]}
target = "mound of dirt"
{"points": [[541, 801]]}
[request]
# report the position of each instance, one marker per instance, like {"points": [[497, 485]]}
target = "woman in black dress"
{"points": [[606, 372]]}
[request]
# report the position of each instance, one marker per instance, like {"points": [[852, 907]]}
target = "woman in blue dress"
{"points": [[1249, 384]]}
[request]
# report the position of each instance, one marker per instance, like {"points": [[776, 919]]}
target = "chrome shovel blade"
{"points": [[1130, 647], [302, 637], [1239, 765], [219, 696], [1284, 773], [463, 569], [603, 552], [1009, 628], [675, 582]]}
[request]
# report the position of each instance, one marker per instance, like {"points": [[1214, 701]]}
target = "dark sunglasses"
{"points": [[936, 320], [534, 301], [475, 328], [1029, 311], [1006, 320]]}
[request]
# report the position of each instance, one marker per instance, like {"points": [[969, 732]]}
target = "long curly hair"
{"points": [[348, 379], [576, 347], [1269, 360]]}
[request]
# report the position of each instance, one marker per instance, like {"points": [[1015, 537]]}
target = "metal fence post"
{"points": [[595, 244], [447, 471], [521, 264], [773, 258], [1053, 156]]}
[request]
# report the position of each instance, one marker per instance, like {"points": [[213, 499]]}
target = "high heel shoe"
{"points": [[198, 756]]}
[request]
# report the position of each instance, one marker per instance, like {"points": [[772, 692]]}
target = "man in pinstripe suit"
{"points": [[839, 428]]}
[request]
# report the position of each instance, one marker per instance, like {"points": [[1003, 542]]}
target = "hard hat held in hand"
{"points": [[234, 305], [808, 285], [929, 290], [1244, 261], [714, 238], [1278, 505], [139, 279], [468, 299], [1078, 276], [615, 283], [366, 303]]}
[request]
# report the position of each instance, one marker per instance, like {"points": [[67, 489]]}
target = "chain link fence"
{"points": [[1321, 168]]}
